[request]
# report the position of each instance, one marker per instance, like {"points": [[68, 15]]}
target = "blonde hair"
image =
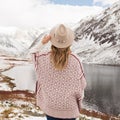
{"points": [[59, 57]]}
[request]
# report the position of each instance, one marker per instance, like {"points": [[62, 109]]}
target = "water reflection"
{"points": [[103, 89]]}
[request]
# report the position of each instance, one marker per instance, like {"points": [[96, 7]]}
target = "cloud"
{"points": [[41, 13], [105, 2]]}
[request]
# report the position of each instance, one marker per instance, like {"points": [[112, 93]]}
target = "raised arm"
{"points": [[40, 45]]}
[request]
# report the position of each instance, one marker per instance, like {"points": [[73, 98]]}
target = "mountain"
{"points": [[98, 37], [14, 41]]}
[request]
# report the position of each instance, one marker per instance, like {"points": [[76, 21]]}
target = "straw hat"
{"points": [[61, 36]]}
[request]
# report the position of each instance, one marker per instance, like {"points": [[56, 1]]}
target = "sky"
{"points": [[46, 13], [85, 2], [73, 2]]}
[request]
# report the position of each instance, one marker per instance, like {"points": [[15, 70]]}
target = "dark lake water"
{"points": [[103, 85], [103, 88]]}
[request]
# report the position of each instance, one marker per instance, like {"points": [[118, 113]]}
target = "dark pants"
{"points": [[52, 118]]}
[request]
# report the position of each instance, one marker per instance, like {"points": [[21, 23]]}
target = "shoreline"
{"points": [[114, 65]]}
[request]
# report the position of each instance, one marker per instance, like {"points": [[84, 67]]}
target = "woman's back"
{"points": [[59, 92]]}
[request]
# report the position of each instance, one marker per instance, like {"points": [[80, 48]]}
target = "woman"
{"points": [[60, 78]]}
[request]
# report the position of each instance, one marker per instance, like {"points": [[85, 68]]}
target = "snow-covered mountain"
{"points": [[14, 41], [98, 38]]}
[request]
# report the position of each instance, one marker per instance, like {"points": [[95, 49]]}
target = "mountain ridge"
{"points": [[102, 32]]}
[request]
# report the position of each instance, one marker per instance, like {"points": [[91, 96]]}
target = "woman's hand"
{"points": [[46, 39]]}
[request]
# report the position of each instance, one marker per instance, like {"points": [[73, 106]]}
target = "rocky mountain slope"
{"points": [[14, 41], [98, 37]]}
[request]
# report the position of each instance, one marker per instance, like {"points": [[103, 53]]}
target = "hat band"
{"points": [[61, 41]]}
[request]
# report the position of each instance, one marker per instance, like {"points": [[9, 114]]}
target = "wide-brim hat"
{"points": [[61, 36]]}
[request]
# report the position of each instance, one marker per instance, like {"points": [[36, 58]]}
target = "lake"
{"points": [[103, 88], [103, 85]]}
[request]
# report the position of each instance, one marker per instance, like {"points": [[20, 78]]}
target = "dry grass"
{"points": [[9, 81], [6, 113], [18, 110]]}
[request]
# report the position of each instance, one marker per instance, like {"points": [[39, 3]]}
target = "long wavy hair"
{"points": [[59, 57]]}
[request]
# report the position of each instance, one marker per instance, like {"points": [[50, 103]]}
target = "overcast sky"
{"points": [[43, 13]]}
